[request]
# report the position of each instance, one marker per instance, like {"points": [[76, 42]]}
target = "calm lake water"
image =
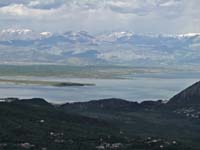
{"points": [[137, 89], [135, 86]]}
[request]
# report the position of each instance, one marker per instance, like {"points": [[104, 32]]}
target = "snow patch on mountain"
{"points": [[111, 37], [46, 34]]}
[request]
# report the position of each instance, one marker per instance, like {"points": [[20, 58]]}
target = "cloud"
{"points": [[132, 7], [120, 6], [47, 4], [106, 15], [22, 10], [170, 3]]}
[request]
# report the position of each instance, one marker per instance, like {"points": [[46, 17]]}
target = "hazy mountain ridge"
{"points": [[82, 48]]}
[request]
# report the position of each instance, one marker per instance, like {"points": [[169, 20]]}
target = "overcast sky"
{"points": [[139, 16]]}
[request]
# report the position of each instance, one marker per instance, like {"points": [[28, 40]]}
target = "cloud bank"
{"points": [[142, 16]]}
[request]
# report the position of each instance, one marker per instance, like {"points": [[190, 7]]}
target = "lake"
{"points": [[134, 84]]}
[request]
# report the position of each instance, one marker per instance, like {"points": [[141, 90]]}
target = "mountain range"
{"points": [[82, 48]]}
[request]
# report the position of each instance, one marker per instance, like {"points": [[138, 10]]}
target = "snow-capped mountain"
{"points": [[83, 37], [46, 34], [22, 34], [111, 37], [16, 34], [25, 45], [79, 37], [189, 35]]}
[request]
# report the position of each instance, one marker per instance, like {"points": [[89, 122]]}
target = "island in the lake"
{"points": [[45, 83]]}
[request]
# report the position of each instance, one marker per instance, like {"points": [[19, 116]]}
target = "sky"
{"points": [[97, 16]]}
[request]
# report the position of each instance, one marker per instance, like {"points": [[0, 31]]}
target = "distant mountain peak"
{"points": [[113, 36], [16, 31], [17, 34], [189, 35]]}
